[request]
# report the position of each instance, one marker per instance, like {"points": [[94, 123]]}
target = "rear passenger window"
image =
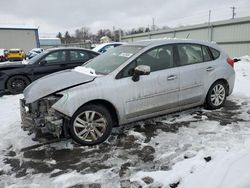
{"points": [[190, 54], [215, 53], [206, 54]]}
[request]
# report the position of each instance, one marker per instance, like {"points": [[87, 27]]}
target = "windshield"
{"points": [[37, 57], [112, 59]]}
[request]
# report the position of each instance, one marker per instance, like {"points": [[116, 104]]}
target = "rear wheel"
{"points": [[91, 125], [216, 96], [16, 84]]}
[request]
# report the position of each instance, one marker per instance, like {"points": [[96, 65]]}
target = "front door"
{"points": [[153, 93], [53, 62]]}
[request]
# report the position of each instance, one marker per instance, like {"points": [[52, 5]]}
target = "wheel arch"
{"points": [[5, 84], [110, 107], [218, 80], [221, 80]]}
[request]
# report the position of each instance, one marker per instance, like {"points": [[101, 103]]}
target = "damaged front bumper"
{"points": [[40, 116]]}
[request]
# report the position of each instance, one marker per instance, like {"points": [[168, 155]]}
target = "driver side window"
{"points": [[55, 57], [158, 58]]}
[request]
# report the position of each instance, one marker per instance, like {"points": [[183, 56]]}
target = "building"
{"points": [[46, 43], [232, 35], [24, 38]]}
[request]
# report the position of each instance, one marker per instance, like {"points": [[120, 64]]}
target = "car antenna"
{"points": [[187, 36]]}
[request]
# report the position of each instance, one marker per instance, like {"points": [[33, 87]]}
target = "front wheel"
{"points": [[216, 96], [91, 125]]}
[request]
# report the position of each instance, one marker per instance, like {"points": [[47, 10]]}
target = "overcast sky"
{"points": [[53, 16]]}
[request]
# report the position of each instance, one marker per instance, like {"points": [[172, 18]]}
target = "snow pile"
{"points": [[84, 70], [11, 133], [242, 80]]}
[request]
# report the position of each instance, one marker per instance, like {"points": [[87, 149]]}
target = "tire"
{"points": [[216, 95], [85, 128], [16, 84]]}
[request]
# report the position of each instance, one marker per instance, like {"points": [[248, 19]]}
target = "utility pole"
{"points": [[120, 35], [209, 17], [114, 33], [208, 26], [233, 11], [153, 26]]}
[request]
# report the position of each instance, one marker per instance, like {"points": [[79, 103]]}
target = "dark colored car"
{"points": [[15, 77]]}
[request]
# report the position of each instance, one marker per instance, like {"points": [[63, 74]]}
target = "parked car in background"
{"points": [[32, 53], [126, 84], [3, 55], [14, 77], [16, 54], [107, 46]]}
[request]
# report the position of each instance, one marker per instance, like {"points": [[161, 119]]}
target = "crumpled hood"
{"points": [[55, 82]]}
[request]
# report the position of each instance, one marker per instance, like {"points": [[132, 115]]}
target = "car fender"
{"points": [[78, 96], [221, 72]]}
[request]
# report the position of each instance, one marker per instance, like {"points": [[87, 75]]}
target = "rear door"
{"points": [[77, 58], [194, 59]]}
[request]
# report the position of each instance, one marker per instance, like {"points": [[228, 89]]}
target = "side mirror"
{"points": [[43, 62], [140, 70]]}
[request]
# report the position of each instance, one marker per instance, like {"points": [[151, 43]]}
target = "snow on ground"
{"points": [[189, 149]]}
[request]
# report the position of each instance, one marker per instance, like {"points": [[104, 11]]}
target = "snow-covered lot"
{"points": [[190, 149]]}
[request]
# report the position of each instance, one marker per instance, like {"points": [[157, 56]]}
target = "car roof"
{"points": [[15, 49], [98, 47], [157, 42], [69, 48]]}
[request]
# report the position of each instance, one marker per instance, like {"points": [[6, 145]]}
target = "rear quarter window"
{"points": [[207, 56], [92, 55], [215, 53]]}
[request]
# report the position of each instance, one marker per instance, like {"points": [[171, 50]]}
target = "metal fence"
{"points": [[79, 45], [232, 35]]}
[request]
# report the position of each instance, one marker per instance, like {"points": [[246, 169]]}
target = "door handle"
{"points": [[172, 77], [210, 69]]}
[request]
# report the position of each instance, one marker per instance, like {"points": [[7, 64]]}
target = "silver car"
{"points": [[129, 83]]}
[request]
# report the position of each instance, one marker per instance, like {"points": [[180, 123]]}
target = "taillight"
{"points": [[230, 62]]}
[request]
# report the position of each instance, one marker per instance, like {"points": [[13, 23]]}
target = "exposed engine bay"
{"points": [[40, 116]]}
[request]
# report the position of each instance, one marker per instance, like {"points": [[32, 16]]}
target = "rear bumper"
{"points": [[15, 58]]}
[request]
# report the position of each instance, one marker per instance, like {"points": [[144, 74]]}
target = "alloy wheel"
{"points": [[218, 95], [89, 126]]}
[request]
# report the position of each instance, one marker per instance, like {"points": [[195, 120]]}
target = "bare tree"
{"points": [[83, 34]]}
